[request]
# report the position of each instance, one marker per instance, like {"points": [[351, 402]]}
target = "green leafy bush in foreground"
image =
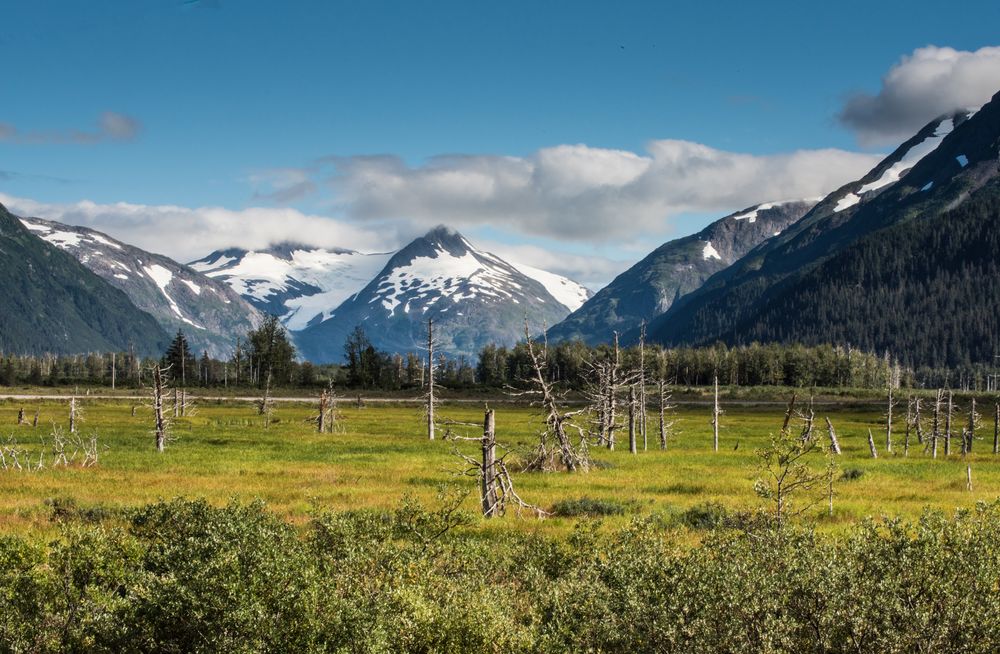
{"points": [[184, 576]]}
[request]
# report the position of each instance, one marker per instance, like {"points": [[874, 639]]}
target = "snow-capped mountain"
{"points": [[473, 296], [651, 286], [304, 285], [298, 283], [211, 314], [902, 260]]}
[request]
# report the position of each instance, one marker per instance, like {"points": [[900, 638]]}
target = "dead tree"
{"points": [[72, 415], [888, 420], [329, 417], [968, 477], [34, 421], [596, 394], [918, 423], [642, 386], [666, 426], [496, 486], [556, 421], [716, 412], [160, 423], [834, 443], [947, 425], [611, 398], [488, 479], [970, 432], [429, 396], [20, 416], [809, 421], [909, 419], [996, 429], [265, 405], [936, 424], [632, 419], [871, 444]]}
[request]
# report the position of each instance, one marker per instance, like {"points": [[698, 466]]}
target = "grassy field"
{"points": [[381, 454]]}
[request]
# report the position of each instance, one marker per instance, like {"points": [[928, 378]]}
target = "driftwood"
{"points": [[834, 443]]}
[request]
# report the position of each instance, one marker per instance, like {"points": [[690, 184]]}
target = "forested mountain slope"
{"points": [[50, 302]]}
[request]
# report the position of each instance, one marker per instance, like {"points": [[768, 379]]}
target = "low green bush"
{"points": [[184, 576]]}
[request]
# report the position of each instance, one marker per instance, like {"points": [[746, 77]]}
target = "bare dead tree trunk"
{"points": [[834, 443], [430, 379], [184, 401], [996, 429], [160, 423], [177, 403], [661, 407], [968, 477], [642, 386], [947, 426], [113, 370], [632, 446], [555, 420], [909, 418], [34, 421], [973, 423], [918, 421], [888, 421], [715, 416], [20, 416], [264, 408], [871, 444], [936, 428], [321, 420], [72, 415], [488, 490], [613, 396]]}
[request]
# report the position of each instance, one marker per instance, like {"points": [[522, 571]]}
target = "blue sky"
{"points": [[279, 105]]}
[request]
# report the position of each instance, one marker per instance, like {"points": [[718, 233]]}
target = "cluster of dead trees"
{"points": [[619, 402]]}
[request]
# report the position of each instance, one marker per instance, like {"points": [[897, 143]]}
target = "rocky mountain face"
{"points": [[474, 298], [903, 259], [674, 269], [210, 313], [50, 302]]}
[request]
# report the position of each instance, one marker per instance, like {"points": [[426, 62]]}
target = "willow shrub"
{"points": [[183, 576]]}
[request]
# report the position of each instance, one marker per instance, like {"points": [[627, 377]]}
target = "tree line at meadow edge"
{"points": [[269, 348]]}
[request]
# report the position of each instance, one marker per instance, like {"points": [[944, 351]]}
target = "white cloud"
{"points": [[920, 87], [186, 233], [583, 193]]}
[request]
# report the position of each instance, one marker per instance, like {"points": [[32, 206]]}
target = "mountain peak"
{"points": [[446, 236]]}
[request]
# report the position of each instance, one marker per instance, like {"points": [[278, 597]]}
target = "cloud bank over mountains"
{"points": [[922, 86]]}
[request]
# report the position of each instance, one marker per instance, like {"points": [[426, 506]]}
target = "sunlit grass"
{"points": [[381, 454]]}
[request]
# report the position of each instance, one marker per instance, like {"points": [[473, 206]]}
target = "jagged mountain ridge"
{"points": [[674, 269], [210, 313], [787, 289], [474, 297], [51, 303], [298, 283], [305, 285]]}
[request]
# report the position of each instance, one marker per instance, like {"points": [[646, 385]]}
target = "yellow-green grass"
{"points": [[381, 453]]}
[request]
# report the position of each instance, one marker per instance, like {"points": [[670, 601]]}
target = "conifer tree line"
{"points": [[269, 351]]}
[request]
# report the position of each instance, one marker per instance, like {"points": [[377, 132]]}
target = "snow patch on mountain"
{"points": [[896, 171], [709, 252], [567, 292], [162, 277]]}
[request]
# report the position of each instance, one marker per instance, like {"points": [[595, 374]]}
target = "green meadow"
{"points": [[380, 454]]}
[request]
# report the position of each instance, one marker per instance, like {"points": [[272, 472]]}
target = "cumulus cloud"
{"points": [[920, 87], [111, 126], [584, 193], [185, 234]]}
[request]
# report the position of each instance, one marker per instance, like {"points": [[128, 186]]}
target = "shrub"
{"points": [[587, 506]]}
